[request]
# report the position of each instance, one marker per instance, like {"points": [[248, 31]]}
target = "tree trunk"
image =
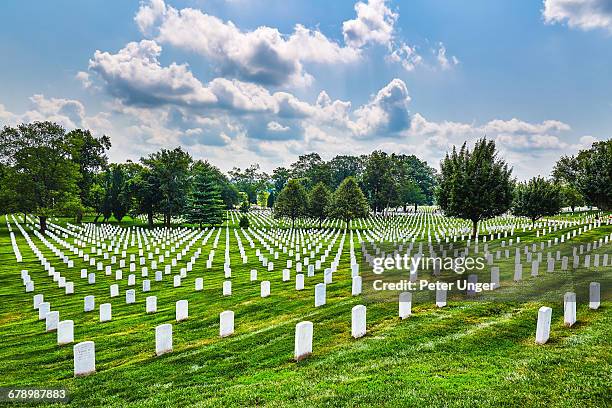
{"points": [[474, 229], [43, 223], [416, 206], [79, 217], [25, 217], [150, 218], [347, 224], [96, 219]]}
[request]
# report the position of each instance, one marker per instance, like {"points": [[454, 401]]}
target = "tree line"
{"points": [[48, 171], [477, 185]]}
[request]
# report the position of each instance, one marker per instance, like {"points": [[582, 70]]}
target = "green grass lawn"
{"points": [[471, 353]]}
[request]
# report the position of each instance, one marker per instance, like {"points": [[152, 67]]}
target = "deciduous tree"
{"points": [[475, 185], [536, 198], [292, 201], [45, 176]]}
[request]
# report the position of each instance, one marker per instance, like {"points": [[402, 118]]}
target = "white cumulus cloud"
{"points": [[583, 14], [374, 24], [264, 55]]}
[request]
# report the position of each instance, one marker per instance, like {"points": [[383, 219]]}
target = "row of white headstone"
{"points": [[569, 312], [84, 353]]}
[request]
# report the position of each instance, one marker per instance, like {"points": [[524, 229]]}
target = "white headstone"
{"points": [[440, 297], [130, 296], [146, 285], [311, 270], [43, 309], [84, 358], [182, 310], [163, 339], [226, 323], [535, 268], [303, 340], [405, 304], [299, 281], [265, 289], [569, 309], [327, 276], [518, 272], [199, 284], [38, 299], [227, 288], [51, 321], [356, 285], [106, 313], [253, 274], [65, 332], [543, 326], [114, 290], [495, 277], [358, 321], [90, 303], [594, 295], [320, 294], [151, 304]]}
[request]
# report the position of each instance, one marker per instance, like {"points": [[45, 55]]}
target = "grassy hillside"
{"points": [[469, 353]]}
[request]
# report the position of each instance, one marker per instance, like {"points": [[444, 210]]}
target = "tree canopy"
{"points": [[319, 202], [475, 185], [292, 201], [44, 178], [537, 198], [589, 173], [349, 202]]}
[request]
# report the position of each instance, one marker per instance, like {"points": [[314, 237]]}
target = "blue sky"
{"points": [[240, 82]]}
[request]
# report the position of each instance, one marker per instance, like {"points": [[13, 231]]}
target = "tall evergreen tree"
{"points": [[475, 185], [205, 205], [349, 202]]}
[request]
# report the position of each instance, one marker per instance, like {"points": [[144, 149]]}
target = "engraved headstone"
{"points": [[84, 358]]}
